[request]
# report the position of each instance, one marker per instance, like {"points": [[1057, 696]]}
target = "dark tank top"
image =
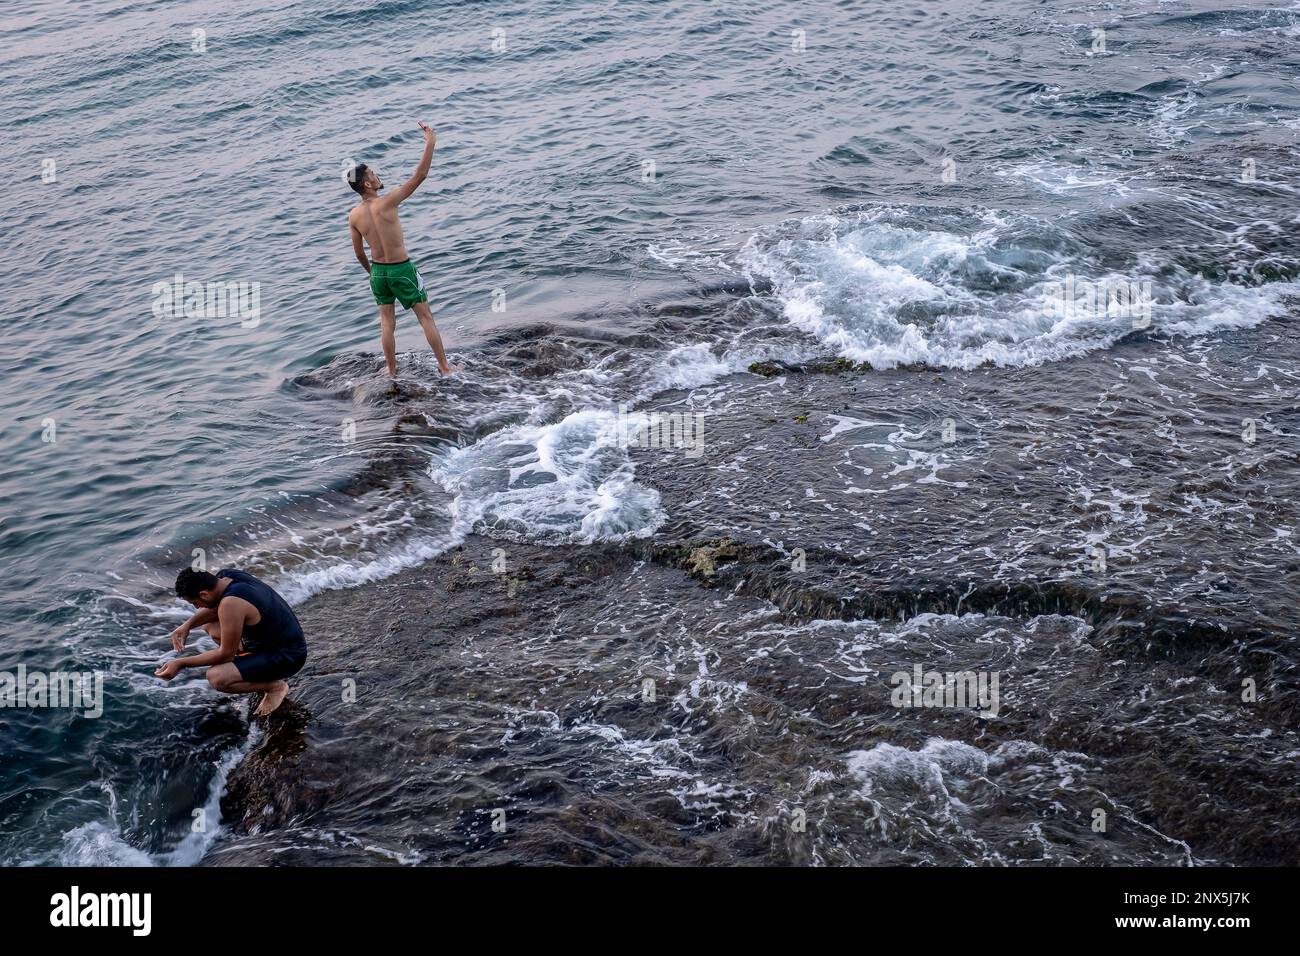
{"points": [[278, 626]]}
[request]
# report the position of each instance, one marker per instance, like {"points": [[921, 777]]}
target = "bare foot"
{"points": [[272, 699], [449, 369]]}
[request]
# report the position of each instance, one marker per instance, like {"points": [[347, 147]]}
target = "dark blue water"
{"points": [[901, 182]]}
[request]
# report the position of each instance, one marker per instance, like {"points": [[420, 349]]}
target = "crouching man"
{"points": [[260, 642]]}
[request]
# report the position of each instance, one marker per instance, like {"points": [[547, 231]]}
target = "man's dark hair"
{"points": [[190, 582], [357, 178]]}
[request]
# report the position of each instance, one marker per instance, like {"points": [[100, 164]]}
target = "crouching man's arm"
{"points": [[199, 618], [232, 612]]}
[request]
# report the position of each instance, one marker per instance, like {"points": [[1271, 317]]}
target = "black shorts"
{"points": [[261, 666]]}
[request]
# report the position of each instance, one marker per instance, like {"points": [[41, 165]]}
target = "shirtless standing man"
{"points": [[392, 276]]}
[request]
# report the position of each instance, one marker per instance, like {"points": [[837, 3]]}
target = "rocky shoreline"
{"points": [[492, 705]]}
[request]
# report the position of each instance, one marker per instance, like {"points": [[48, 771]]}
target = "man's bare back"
{"points": [[377, 221], [374, 220]]}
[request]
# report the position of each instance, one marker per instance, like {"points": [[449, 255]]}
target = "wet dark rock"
{"points": [[833, 366], [701, 559], [269, 791], [683, 698]]}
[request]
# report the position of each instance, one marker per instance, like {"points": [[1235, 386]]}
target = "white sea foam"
{"points": [[882, 287], [569, 480], [934, 767], [566, 481], [1060, 179], [101, 843], [191, 849], [336, 573]]}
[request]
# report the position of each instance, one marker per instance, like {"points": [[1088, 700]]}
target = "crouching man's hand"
{"points": [[179, 637], [168, 670]]}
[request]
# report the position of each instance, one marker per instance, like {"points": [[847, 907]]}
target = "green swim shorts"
{"points": [[397, 280]]}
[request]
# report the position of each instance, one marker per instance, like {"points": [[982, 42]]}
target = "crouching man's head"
{"points": [[200, 588]]}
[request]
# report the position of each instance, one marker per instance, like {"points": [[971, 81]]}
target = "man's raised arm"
{"points": [[421, 171]]}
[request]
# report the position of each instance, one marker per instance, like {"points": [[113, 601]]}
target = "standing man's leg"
{"points": [[388, 336], [424, 315]]}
